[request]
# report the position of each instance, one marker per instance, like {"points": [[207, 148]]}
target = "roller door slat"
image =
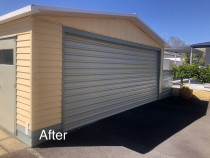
{"points": [[101, 78]]}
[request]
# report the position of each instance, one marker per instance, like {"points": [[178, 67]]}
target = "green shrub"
{"points": [[192, 71], [204, 74], [185, 71], [185, 87]]}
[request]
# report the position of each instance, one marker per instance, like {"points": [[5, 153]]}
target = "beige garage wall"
{"points": [[47, 58], [47, 74], [22, 29], [112, 27]]}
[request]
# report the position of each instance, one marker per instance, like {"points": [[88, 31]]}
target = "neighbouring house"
{"points": [[172, 58], [173, 54], [63, 68]]}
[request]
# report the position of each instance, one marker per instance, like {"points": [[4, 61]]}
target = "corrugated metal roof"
{"points": [[201, 45], [38, 9], [183, 49]]}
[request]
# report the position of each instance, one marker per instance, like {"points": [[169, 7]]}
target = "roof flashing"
{"points": [[28, 10], [80, 11]]}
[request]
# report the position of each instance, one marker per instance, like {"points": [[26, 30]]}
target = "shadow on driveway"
{"points": [[140, 129]]}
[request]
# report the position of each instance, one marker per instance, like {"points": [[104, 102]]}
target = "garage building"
{"points": [[63, 68]]}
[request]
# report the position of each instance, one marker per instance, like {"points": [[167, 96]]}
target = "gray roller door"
{"points": [[101, 78]]}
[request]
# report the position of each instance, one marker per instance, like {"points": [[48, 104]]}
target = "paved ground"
{"points": [[9, 144], [172, 128], [193, 85]]}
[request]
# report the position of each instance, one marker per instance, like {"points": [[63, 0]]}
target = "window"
{"points": [[6, 56]]}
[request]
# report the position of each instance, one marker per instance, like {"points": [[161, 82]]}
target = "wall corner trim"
{"points": [[32, 139]]}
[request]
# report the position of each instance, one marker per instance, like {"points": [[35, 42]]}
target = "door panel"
{"points": [[7, 84]]}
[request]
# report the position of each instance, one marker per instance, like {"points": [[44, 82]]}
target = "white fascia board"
{"points": [[79, 11], [26, 11]]}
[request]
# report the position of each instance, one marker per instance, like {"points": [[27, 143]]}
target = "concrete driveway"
{"points": [[171, 128]]}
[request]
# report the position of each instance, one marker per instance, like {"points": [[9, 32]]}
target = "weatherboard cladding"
{"points": [[119, 28], [47, 72]]}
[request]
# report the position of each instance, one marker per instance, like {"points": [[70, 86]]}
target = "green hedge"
{"points": [[204, 74], [201, 74]]}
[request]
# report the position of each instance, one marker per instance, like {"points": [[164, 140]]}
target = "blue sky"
{"points": [[187, 19]]}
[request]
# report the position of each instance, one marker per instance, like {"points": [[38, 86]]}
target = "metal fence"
{"points": [[166, 84]]}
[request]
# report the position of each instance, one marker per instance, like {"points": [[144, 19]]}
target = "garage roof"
{"points": [[38, 9]]}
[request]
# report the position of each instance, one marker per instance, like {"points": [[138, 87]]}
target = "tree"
{"points": [[185, 71], [175, 41], [181, 72], [201, 74], [201, 60], [186, 58], [204, 74], [196, 58]]}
